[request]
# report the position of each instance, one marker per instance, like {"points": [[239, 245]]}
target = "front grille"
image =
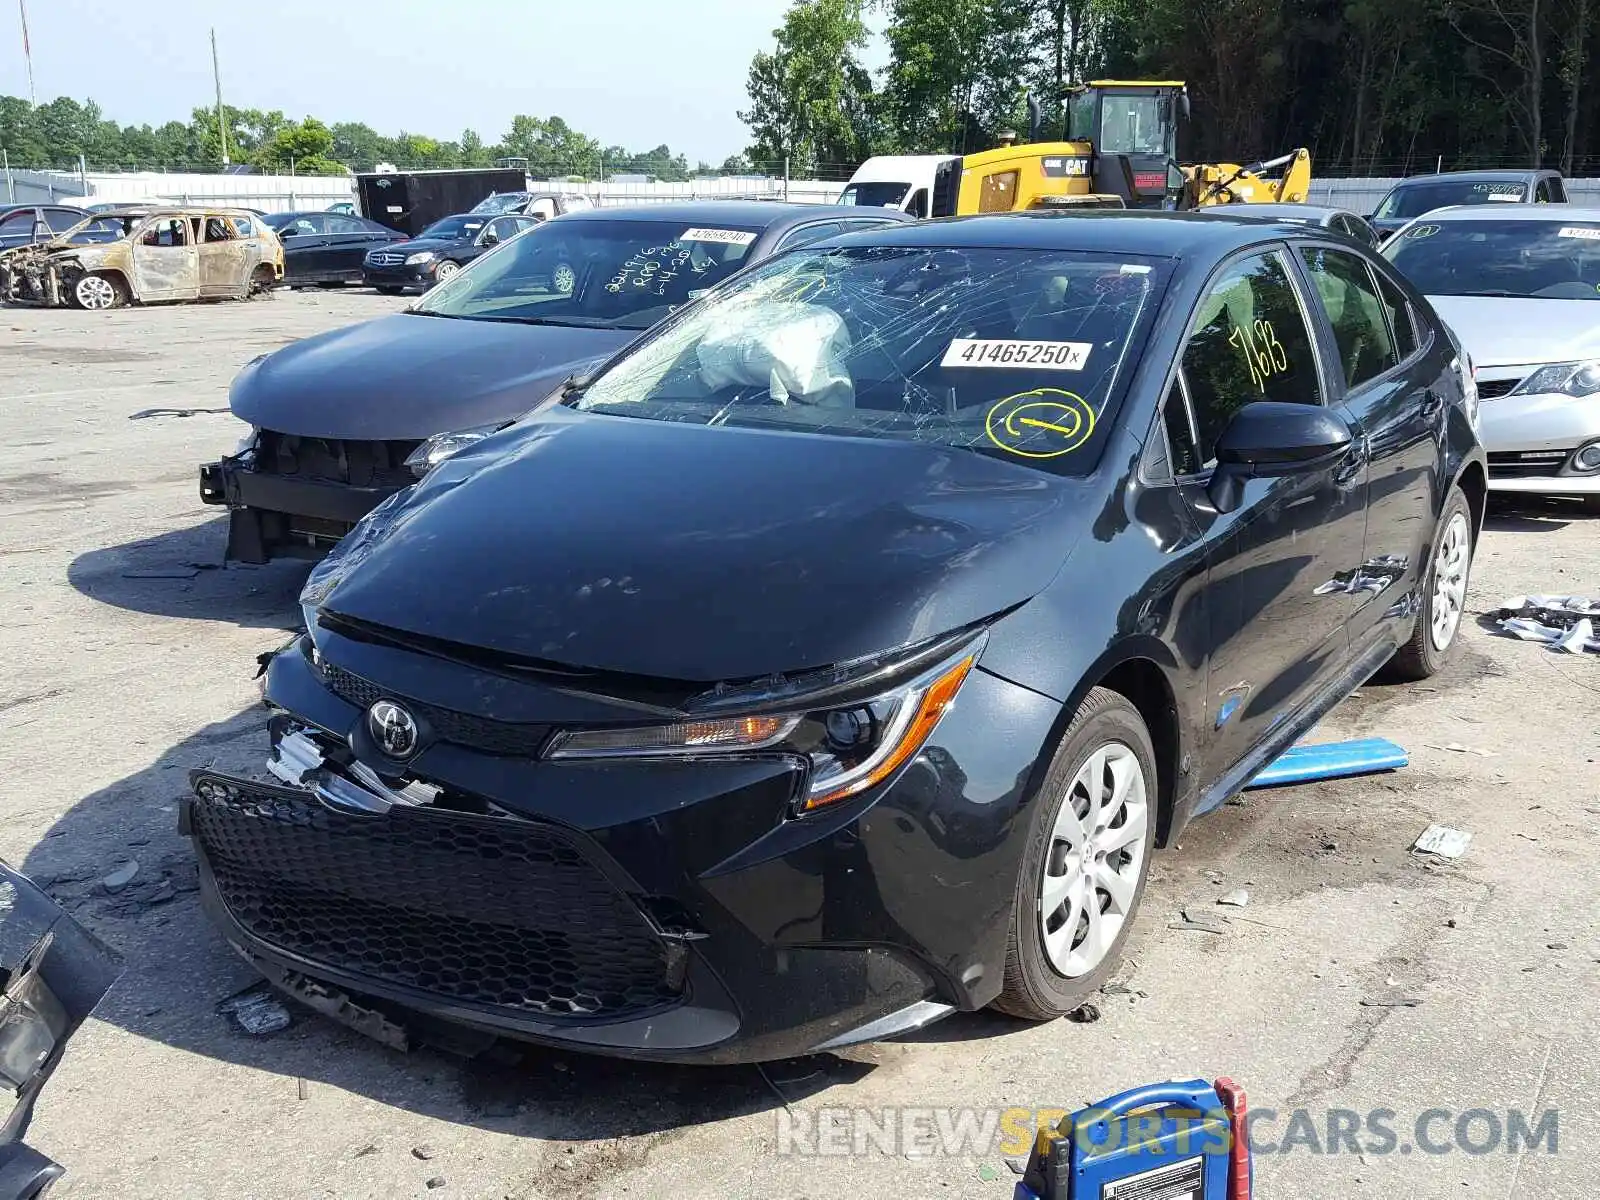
{"points": [[330, 460], [1526, 464], [492, 911], [1493, 389], [384, 258], [463, 729]]}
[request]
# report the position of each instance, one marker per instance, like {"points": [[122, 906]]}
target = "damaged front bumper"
{"points": [[658, 910], [281, 516], [34, 277]]}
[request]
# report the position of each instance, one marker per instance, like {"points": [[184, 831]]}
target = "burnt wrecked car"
{"points": [[838, 656], [52, 974], [152, 255], [341, 420]]}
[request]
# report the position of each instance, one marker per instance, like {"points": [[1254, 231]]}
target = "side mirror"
{"points": [[1267, 439], [490, 237]]}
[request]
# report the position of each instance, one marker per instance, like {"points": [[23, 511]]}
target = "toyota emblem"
{"points": [[393, 728]]}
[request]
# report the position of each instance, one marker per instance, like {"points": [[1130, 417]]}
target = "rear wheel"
{"points": [[100, 290], [262, 281], [1086, 861], [1444, 596]]}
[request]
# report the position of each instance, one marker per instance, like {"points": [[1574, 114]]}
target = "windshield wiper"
{"points": [[1492, 292]]}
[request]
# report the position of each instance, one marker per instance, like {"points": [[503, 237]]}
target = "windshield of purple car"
{"points": [[594, 273]]}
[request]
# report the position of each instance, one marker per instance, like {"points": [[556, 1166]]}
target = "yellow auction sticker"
{"points": [[1043, 423]]}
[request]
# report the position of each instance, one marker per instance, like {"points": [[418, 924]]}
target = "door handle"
{"points": [[1432, 404]]}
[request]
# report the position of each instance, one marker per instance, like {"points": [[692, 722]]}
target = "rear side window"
{"points": [[1250, 342], [1349, 297], [61, 219], [1558, 192], [917, 206], [1402, 320]]}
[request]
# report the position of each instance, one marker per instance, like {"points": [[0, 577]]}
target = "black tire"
{"points": [[1033, 989], [1420, 658], [388, 289]]}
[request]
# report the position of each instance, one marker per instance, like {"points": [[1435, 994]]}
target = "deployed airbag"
{"points": [[795, 350]]}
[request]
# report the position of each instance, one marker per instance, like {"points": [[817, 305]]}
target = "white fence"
{"points": [[285, 193]]}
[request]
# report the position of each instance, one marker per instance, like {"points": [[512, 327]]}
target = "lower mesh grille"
{"points": [[491, 911]]}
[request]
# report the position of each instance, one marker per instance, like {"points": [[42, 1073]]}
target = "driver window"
{"points": [[1250, 342], [169, 231], [217, 230]]}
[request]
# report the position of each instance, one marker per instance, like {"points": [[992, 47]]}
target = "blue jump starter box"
{"points": [[1167, 1141]]}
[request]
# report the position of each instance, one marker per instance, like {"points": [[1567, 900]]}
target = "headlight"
{"points": [[848, 749], [1578, 379], [424, 256], [443, 445]]}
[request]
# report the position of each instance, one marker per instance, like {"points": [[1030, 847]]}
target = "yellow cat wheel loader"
{"points": [[1120, 151]]}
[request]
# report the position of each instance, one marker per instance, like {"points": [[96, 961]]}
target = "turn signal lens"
{"points": [[688, 737], [914, 719]]}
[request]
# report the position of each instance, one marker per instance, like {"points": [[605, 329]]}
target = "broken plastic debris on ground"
{"points": [[1564, 623], [1443, 841]]}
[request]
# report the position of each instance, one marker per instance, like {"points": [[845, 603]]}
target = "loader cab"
{"points": [[1136, 123]]}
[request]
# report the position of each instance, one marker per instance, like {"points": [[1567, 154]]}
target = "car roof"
{"points": [[1115, 231], [759, 214], [1512, 212], [1487, 176], [1309, 212]]}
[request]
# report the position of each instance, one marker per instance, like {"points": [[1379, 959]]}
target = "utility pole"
{"points": [[222, 119], [27, 51]]}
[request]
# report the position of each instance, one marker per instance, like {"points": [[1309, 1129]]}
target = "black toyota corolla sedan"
{"points": [[838, 656]]}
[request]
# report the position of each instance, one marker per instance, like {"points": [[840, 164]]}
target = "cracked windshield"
{"points": [[593, 274], [1007, 352]]}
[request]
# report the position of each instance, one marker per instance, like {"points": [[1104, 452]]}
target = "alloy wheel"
{"points": [[1095, 860], [95, 291], [447, 270], [1450, 566], [564, 279]]}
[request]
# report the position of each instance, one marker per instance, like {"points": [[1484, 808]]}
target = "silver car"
{"points": [[1519, 287]]}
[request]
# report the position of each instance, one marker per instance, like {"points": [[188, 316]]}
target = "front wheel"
{"points": [[1086, 861], [446, 271], [1444, 596], [99, 291]]}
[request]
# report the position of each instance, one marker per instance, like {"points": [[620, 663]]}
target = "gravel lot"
{"points": [[116, 682]]}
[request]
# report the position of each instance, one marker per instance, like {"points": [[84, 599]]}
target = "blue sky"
{"points": [[630, 72]]}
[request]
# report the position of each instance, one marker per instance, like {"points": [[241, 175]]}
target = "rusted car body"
{"points": [[157, 255]]}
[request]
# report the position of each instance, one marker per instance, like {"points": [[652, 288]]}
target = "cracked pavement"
{"points": [[129, 659]]}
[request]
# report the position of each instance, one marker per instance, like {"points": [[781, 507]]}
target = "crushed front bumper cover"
{"points": [[414, 923]]}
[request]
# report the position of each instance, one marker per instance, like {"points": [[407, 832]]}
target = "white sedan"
{"points": [[1520, 289]]}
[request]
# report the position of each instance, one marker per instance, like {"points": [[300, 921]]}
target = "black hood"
{"points": [[696, 554], [410, 376], [419, 244]]}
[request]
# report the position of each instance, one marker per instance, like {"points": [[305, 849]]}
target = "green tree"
{"points": [[957, 71], [304, 149], [810, 98]]}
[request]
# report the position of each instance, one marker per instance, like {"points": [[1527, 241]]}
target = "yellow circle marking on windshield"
{"points": [[1056, 421]]}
